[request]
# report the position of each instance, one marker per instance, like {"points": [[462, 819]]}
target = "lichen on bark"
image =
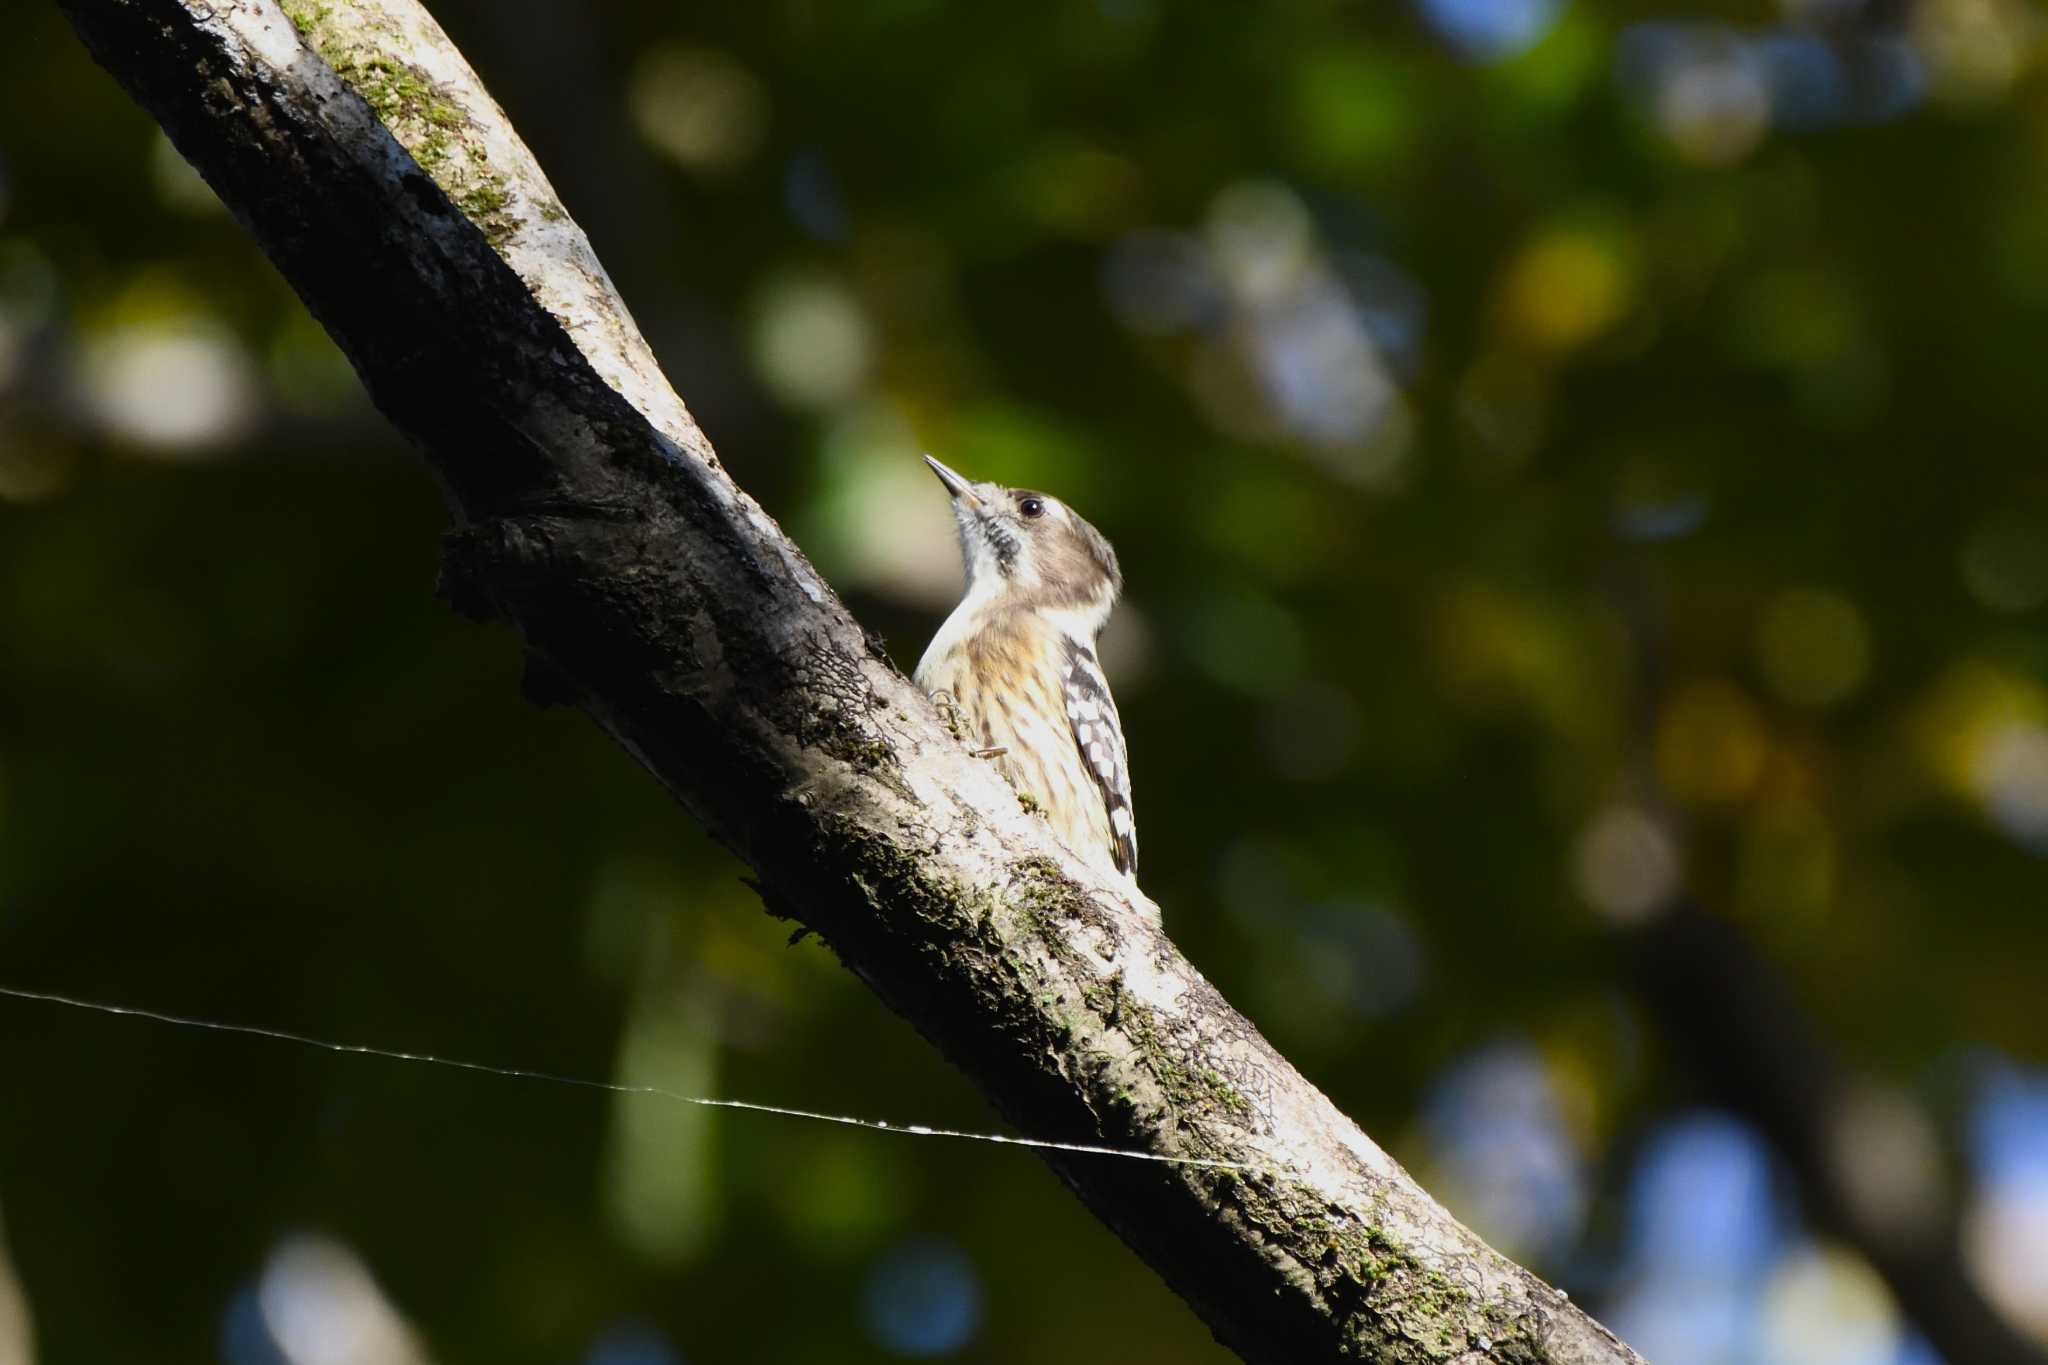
{"points": [[363, 46]]}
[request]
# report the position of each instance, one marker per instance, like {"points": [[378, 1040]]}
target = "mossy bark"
{"points": [[592, 516]]}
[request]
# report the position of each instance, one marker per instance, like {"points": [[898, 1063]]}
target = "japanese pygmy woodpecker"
{"points": [[1014, 666]]}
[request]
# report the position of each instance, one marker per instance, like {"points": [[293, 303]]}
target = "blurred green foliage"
{"points": [[1512, 421]]}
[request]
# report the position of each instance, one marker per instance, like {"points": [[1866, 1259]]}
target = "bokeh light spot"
{"points": [[1661, 495], [1078, 189], [1702, 85], [632, 1343], [322, 1307], [174, 386], [1890, 1160], [923, 1299], [1625, 865], [1812, 646], [1826, 1306], [2012, 773], [700, 108], [809, 339], [1808, 82], [2005, 560], [1564, 289], [1507, 1162], [1973, 49], [661, 1192], [1352, 110], [877, 519], [1489, 30], [2005, 1231], [1262, 240], [1890, 77], [1289, 345], [1700, 1202], [1984, 732], [1703, 1224], [1710, 744], [1970, 707]]}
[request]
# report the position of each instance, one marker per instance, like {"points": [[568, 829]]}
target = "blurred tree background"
{"points": [[1561, 453]]}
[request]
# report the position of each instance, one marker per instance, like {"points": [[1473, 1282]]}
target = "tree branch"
{"points": [[360, 151]]}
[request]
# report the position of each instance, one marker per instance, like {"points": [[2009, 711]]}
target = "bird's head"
{"points": [[1030, 549]]}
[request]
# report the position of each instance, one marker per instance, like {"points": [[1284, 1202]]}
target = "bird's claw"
{"points": [[949, 711]]}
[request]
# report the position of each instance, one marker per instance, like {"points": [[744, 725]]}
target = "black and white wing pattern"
{"points": [[1099, 735]]}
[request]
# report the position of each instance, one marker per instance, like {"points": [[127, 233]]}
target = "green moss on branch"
{"points": [[438, 132]]}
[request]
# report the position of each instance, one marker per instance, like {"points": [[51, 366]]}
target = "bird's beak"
{"points": [[961, 490]]}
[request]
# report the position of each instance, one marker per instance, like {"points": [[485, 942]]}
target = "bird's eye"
{"points": [[1031, 507]]}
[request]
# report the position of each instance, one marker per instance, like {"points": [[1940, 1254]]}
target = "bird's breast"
{"points": [[1004, 678]]}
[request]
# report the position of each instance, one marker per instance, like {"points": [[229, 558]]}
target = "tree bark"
{"points": [[363, 155]]}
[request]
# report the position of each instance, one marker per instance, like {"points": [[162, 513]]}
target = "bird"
{"points": [[1014, 669]]}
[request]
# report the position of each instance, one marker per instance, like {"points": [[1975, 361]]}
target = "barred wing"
{"points": [[1099, 735]]}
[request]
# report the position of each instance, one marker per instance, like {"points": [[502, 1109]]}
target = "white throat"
{"points": [[984, 599], [960, 627]]}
